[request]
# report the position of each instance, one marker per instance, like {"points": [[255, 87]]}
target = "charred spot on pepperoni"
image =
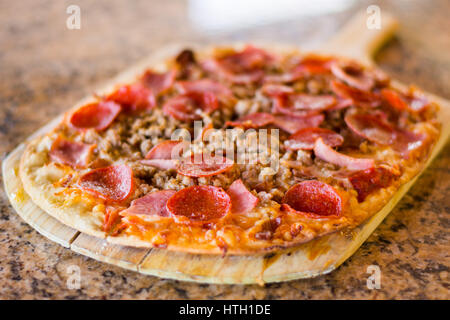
{"points": [[199, 204], [314, 198], [113, 183]]}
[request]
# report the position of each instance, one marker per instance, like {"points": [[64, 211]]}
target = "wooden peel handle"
{"points": [[362, 36]]}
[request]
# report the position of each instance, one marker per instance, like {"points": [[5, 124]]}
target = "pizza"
{"points": [[232, 150]]}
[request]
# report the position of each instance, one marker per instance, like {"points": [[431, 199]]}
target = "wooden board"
{"points": [[311, 259]]}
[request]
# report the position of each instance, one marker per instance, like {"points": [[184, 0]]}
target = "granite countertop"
{"points": [[45, 68]]}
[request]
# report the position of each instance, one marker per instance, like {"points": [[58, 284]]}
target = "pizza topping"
{"points": [[276, 89], [402, 102], [240, 67], [326, 153], [190, 106], [133, 98], [314, 199], [305, 138], [376, 129], [162, 164], [358, 97], [199, 204], [292, 124], [367, 181], [166, 150], [308, 66], [242, 200], [113, 183], [354, 75], [302, 104], [202, 166], [152, 204], [74, 154], [253, 120], [371, 127], [158, 82], [98, 115], [204, 85]]}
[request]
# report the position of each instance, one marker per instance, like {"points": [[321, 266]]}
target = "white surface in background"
{"points": [[229, 15]]}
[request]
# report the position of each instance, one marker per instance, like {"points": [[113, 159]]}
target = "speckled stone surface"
{"points": [[45, 68]]}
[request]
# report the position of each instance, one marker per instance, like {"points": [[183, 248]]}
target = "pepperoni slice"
{"points": [[292, 124], [204, 85], [240, 67], [201, 166], [252, 120], [314, 199], [354, 75], [308, 66], [113, 183], [188, 107], [166, 150], [158, 82], [305, 138], [324, 152], [199, 204], [152, 204], [357, 96], [367, 181], [74, 154], [242, 200], [371, 127], [133, 98], [98, 115], [302, 104], [403, 102]]}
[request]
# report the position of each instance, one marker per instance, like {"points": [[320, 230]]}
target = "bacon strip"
{"points": [[324, 152], [305, 138], [202, 204], [113, 183], [74, 154], [152, 204], [242, 200], [98, 115], [313, 199]]}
